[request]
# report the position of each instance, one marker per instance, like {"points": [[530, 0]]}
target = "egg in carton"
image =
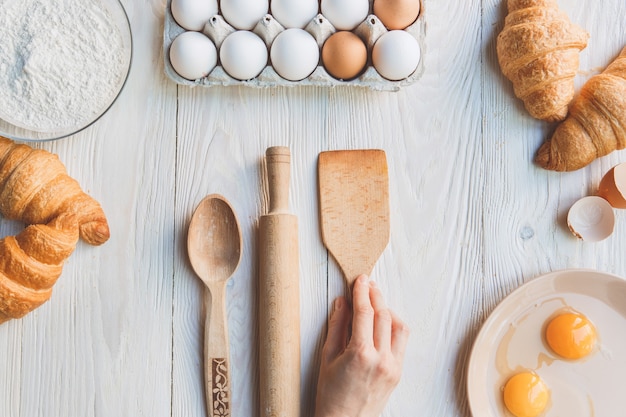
{"points": [[267, 29]]}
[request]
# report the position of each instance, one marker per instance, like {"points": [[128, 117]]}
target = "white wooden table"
{"points": [[472, 219]]}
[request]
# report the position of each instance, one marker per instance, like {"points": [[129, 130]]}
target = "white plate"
{"points": [[512, 340]]}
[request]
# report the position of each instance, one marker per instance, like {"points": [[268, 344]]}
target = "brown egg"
{"points": [[344, 55], [613, 186], [397, 14]]}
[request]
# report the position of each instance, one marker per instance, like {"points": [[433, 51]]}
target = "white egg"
{"points": [[243, 55], [294, 54], [396, 55], [193, 55], [294, 13], [193, 14], [345, 14], [244, 14]]}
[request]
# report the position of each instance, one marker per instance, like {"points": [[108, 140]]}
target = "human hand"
{"points": [[358, 375]]}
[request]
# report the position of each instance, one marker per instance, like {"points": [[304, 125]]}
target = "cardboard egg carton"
{"points": [[217, 29]]}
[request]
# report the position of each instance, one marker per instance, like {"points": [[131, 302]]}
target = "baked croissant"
{"points": [[596, 124], [35, 188], [538, 51], [31, 262]]}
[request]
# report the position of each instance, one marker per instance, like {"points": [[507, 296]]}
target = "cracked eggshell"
{"points": [[613, 186], [591, 219]]}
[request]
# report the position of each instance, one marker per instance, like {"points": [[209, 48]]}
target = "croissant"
{"points": [[538, 51], [31, 262], [35, 188], [596, 124]]}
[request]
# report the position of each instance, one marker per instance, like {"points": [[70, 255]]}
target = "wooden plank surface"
{"points": [[472, 218]]}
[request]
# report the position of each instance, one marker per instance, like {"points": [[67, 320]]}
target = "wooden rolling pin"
{"points": [[279, 295]]}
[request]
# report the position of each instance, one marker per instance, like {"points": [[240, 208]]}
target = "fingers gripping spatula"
{"points": [[354, 208]]}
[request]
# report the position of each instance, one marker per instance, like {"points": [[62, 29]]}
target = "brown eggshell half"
{"points": [[613, 186]]}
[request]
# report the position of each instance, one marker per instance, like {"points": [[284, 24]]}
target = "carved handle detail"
{"points": [[220, 394]]}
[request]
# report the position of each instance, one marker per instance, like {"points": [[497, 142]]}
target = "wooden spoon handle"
{"points": [[216, 354]]}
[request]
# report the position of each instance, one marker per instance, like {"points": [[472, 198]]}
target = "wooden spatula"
{"points": [[354, 208]]}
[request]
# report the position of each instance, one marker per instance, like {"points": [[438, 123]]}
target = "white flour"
{"points": [[61, 62]]}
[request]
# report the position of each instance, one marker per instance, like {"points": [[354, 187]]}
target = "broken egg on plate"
{"points": [[513, 341], [591, 219], [571, 335], [526, 395]]}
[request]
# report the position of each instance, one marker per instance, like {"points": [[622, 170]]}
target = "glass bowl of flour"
{"points": [[63, 63]]}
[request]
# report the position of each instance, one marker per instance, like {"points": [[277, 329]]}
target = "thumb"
{"points": [[338, 326]]}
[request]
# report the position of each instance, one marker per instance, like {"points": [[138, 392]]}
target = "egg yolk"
{"points": [[526, 395], [571, 335]]}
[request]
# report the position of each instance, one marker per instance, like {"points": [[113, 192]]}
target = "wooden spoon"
{"points": [[214, 244]]}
